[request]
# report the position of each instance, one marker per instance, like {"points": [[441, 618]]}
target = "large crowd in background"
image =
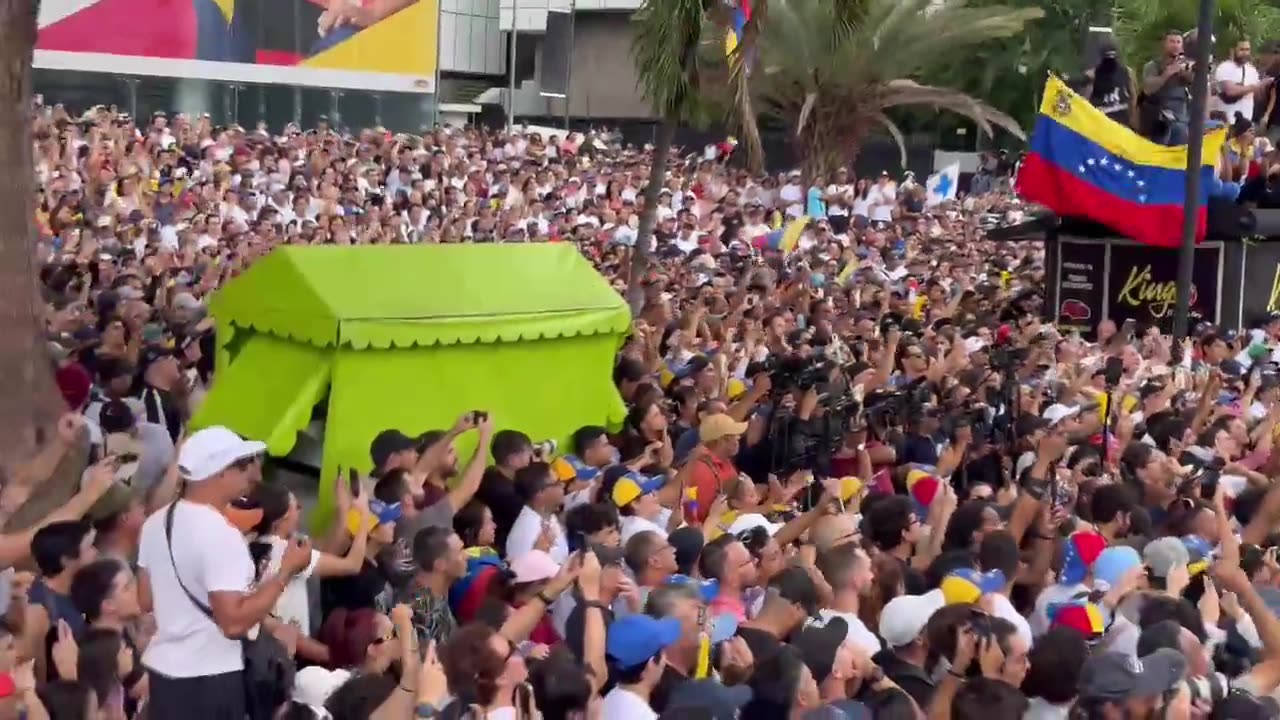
{"points": [[863, 478]]}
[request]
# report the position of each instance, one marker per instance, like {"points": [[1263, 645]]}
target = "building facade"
{"points": [[286, 61]]}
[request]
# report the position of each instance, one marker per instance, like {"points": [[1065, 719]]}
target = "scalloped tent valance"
{"points": [[421, 295]]}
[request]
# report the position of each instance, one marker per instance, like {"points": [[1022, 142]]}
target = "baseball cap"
{"points": [[750, 521], [923, 487], [633, 640], [794, 585], [966, 585], [631, 486], [1113, 564], [1056, 413], [1119, 676], [818, 645], [1164, 554], [1082, 549], [708, 589], [570, 467], [533, 566], [313, 685], [715, 427], [688, 542], [386, 444], [212, 450], [722, 701], [115, 417], [903, 618], [382, 512], [1079, 615], [1199, 553]]}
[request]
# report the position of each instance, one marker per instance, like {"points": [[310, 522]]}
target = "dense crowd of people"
{"points": [[860, 478]]}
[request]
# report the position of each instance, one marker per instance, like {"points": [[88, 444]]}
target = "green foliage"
{"points": [[1141, 24], [832, 69], [665, 51]]}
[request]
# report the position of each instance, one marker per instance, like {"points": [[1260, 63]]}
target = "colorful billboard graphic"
{"points": [[374, 45]]}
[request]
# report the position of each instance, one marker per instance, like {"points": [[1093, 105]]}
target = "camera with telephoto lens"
{"points": [[545, 450]]}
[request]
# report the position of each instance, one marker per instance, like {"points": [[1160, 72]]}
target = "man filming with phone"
{"points": [[1166, 82]]}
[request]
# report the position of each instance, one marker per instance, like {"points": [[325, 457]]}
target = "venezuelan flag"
{"points": [[1083, 164], [741, 14], [785, 239]]}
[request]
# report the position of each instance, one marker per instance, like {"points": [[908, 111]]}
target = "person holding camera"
{"points": [[1166, 83]]}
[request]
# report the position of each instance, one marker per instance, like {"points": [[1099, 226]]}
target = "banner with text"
{"points": [[385, 46], [1081, 285], [1142, 284]]}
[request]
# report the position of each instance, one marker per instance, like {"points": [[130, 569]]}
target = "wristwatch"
{"points": [[425, 710]]}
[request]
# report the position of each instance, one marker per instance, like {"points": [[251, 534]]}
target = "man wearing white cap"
{"points": [[197, 576]]}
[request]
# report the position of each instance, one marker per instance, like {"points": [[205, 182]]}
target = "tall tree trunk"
{"points": [[649, 216], [29, 402]]}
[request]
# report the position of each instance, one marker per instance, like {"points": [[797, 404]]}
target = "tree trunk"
{"points": [[649, 216], [29, 403]]}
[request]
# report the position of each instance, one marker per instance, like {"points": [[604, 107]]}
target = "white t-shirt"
{"points": [[622, 704], [858, 633], [213, 557], [793, 195], [1246, 75], [861, 206], [294, 606], [1005, 609], [524, 535], [844, 192], [633, 524], [882, 201]]}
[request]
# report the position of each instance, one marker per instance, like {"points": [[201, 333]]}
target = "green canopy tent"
{"points": [[409, 337]]}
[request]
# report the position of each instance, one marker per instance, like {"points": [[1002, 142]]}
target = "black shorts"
{"points": [[839, 223], [208, 697]]}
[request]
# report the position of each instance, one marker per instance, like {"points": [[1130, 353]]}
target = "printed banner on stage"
{"points": [[1142, 283], [385, 45], [1081, 285]]}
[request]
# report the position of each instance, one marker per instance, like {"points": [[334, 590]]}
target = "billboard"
{"points": [[378, 45], [1142, 284]]}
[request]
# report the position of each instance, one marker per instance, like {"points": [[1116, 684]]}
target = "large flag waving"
{"points": [[1082, 164]]}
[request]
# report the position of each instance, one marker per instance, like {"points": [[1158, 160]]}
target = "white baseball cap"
{"points": [[1057, 413], [212, 450], [751, 521], [903, 618]]}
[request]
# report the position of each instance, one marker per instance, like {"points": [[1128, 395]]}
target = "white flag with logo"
{"points": [[941, 186]]}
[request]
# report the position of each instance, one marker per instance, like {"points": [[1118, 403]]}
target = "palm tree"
{"points": [[665, 51], [1009, 73], [834, 68], [28, 402]]}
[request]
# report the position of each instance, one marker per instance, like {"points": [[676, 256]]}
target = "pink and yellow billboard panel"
{"points": [[375, 45]]}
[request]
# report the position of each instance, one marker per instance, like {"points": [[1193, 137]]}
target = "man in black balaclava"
{"points": [[1111, 87]]}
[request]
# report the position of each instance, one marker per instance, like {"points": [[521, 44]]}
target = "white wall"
{"points": [[470, 38]]}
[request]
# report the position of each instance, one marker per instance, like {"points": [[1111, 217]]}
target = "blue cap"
{"points": [[634, 640], [386, 513], [1114, 563], [585, 472], [708, 588]]}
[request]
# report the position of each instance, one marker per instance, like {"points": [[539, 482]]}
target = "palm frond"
{"points": [[664, 49], [896, 133], [900, 93]]}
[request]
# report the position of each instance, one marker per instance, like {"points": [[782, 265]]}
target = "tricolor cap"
{"points": [[923, 488], [1200, 554], [633, 485], [1082, 616], [569, 468], [966, 585], [1083, 548]]}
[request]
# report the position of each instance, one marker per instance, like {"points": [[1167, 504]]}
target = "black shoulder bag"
{"points": [[268, 669]]}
